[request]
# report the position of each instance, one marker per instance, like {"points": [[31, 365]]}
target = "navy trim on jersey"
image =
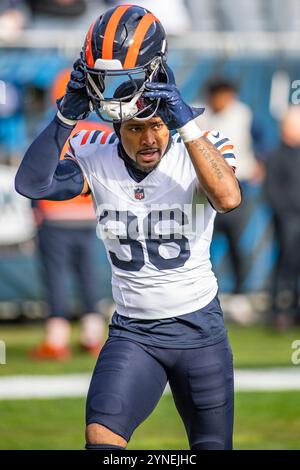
{"points": [[94, 136], [221, 142], [113, 138]]}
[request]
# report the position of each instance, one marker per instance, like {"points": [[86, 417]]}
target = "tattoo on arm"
{"points": [[211, 155]]}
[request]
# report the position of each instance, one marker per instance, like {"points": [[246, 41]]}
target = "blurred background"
{"points": [[239, 58]]}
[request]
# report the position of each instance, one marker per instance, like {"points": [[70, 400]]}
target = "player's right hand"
{"points": [[74, 105], [173, 110]]}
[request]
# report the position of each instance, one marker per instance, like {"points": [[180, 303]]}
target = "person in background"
{"points": [[225, 112], [58, 8], [12, 19], [283, 191], [66, 240]]}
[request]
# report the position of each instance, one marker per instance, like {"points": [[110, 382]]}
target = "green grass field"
{"points": [[255, 346], [265, 420]]}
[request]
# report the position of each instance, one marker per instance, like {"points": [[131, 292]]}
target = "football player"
{"points": [[168, 324]]}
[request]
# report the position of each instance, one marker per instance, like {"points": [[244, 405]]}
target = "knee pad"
{"points": [[103, 447]]}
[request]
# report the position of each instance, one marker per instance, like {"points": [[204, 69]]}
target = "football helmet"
{"points": [[126, 43]]}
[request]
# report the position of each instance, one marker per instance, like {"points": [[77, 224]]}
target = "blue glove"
{"points": [[75, 104], [172, 109]]}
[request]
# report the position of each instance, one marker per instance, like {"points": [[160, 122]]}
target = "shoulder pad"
{"points": [[83, 140]]}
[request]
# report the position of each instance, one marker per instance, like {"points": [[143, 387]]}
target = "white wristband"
{"points": [[69, 122], [190, 131]]}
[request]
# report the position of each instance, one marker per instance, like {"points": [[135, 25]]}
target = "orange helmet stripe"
{"points": [[137, 40], [110, 31], [88, 48]]}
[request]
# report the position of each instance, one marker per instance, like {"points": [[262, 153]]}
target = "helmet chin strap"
{"points": [[117, 110]]}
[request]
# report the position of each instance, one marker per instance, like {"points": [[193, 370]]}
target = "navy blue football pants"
{"points": [[130, 377], [63, 250]]}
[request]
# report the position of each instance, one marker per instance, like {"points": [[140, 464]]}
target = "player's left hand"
{"points": [[172, 109], [75, 105]]}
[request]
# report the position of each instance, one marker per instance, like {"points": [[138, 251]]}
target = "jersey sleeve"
{"points": [[84, 149], [74, 146], [84, 142], [224, 145]]}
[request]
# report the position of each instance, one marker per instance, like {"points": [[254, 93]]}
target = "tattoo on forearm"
{"points": [[211, 154]]}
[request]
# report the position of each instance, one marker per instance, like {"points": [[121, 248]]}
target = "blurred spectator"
{"points": [[46, 15], [16, 219], [283, 190], [225, 112], [66, 241], [69, 8], [64, 14], [12, 19]]}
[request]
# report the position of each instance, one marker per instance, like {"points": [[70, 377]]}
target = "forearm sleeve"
{"points": [[41, 174]]}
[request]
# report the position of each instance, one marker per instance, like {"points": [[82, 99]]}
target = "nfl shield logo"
{"points": [[139, 193]]}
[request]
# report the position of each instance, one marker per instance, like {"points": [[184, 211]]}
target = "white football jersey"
{"points": [[159, 250]]}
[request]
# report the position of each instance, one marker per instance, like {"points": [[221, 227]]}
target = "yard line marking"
{"points": [[76, 385]]}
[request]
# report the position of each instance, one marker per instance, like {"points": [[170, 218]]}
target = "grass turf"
{"points": [[255, 346], [263, 421]]}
